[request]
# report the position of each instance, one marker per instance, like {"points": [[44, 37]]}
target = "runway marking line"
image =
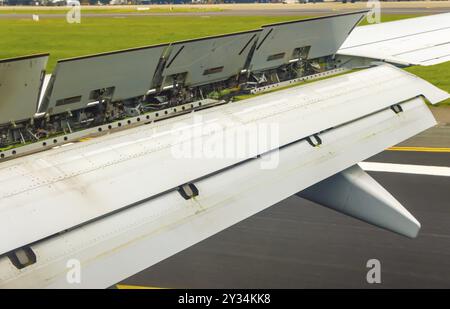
{"points": [[420, 149], [137, 287], [85, 139], [406, 168]]}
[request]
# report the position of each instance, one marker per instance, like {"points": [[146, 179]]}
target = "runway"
{"points": [[297, 244], [299, 12], [309, 9]]}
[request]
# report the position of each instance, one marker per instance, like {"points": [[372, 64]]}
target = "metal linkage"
{"points": [[62, 140], [297, 80]]}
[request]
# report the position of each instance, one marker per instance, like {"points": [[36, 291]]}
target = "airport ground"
{"points": [[294, 244], [21, 35], [327, 7]]}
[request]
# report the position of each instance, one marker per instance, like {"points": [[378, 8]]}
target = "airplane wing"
{"points": [[77, 186], [147, 186], [413, 41]]}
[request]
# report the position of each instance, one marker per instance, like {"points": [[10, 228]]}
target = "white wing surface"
{"points": [[415, 41], [115, 204]]}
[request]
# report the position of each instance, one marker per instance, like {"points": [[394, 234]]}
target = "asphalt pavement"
{"points": [[290, 11]]}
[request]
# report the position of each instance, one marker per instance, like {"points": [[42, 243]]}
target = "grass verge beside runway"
{"points": [[23, 36], [94, 35], [438, 75]]}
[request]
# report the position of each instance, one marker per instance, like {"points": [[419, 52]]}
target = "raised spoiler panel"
{"points": [[210, 59], [130, 72], [122, 244], [20, 84], [48, 192], [324, 36], [420, 41]]}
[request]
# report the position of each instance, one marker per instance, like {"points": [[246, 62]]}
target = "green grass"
{"points": [[94, 35], [62, 40], [438, 75], [102, 34]]}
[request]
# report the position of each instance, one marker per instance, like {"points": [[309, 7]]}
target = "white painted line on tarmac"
{"points": [[405, 168]]}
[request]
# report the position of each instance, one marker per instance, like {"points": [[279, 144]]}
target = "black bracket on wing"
{"points": [[314, 140], [397, 108], [22, 257], [188, 191]]}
